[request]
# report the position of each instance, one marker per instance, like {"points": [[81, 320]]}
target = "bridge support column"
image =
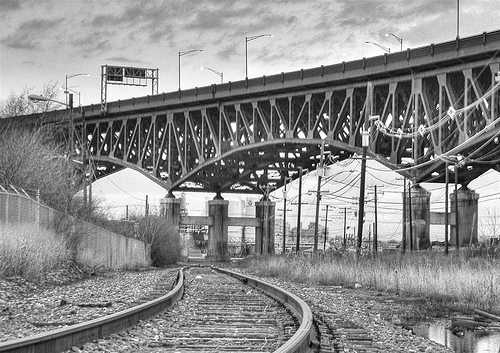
{"points": [[171, 209], [218, 231], [467, 216], [264, 235], [420, 218]]}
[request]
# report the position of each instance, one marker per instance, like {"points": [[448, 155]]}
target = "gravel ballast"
{"points": [[27, 309]]}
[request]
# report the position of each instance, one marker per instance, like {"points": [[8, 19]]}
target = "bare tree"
{"points": [[33, 160], [20, 104], [490, 224]]}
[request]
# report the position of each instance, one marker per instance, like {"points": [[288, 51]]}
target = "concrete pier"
{"points": [[467, 217], [264, 235], [218, 230], [171, 209], [419, 203]]}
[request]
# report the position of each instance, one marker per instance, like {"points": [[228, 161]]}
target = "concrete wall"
{"points": [[99, 247], [96, 247]]}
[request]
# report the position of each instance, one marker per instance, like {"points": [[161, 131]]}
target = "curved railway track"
{"points": [[220, 311]]}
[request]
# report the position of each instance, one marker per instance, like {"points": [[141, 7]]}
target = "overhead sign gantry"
{"points": [[128, 76]]}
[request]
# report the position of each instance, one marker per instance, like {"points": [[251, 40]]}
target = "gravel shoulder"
{"points": [[383, 316], [27, 308]]}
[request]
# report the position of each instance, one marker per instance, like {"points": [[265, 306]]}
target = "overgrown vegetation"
{"points": [[33, 160], [19, 104], [37, 160], [30, 252], [163, 237], [456, 278]]}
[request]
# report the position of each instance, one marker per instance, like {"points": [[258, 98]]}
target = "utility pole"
{"points": [[369, 238], [365, 141], [446, 210], [299, 210], [361, 206], [71, 125], [265, 238], [456, 208], [410, 217], [284, 214], [403, 241], [319, 171], [345, 227], [375, 226], [326, 225]]}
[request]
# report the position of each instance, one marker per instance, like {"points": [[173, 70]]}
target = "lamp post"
{"points": [[220, 74], [380, 46], [399, 39], [249, 39], [66, 84], [69, 106], [67, 90], [182, 53]]}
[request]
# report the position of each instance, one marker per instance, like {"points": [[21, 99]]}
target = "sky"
{"points": [[42, 42], [339, 190]]}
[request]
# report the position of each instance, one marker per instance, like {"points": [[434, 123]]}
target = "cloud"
{"points": [[122, 60], [30, 34], [9, 5], [95, 42]]}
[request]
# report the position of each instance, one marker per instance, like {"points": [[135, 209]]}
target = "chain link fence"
{"points": [[93, 245]]}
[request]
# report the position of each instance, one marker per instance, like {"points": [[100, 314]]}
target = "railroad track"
{"points": [[220, 311]]}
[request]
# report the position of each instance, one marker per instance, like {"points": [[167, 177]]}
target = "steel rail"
{"points": [[76, 335], [63, 339], [301, 341]]}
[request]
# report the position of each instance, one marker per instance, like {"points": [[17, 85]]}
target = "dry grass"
{"points": [[468, 282], [30, 252]]}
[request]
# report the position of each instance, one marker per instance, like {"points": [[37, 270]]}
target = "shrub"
{"points": [[164, 239], [30, 252]]}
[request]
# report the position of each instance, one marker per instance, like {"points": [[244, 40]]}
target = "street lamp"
{"points": [[69, 106], [66, 91], [221, 75], [182, 53], [66, 85], [399, 39], [249, 39], [380, 46]]}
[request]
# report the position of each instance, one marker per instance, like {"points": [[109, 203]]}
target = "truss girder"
{"points": [[240, 143]]}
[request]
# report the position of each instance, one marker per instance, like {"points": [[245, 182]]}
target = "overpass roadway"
{"points": [[423, 107]]}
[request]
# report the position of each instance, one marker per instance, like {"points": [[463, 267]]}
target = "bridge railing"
{"points": [[95, 246], [407, 61]]}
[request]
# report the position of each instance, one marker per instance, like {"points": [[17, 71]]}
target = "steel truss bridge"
{"points": [[423, 107]]}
